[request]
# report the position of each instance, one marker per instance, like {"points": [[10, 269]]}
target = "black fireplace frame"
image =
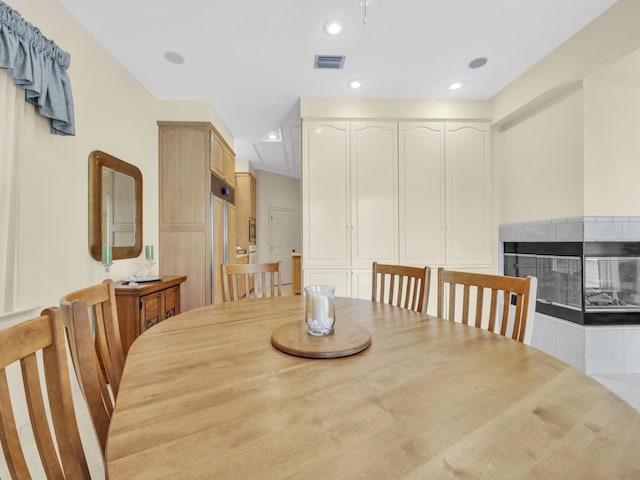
{"points": [[582, 250]]}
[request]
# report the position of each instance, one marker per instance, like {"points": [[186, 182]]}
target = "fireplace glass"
{"points": [[559, 277], [611, 283]]}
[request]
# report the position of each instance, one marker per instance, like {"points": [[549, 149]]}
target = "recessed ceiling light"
{"points": [[477, 62], [332, 27], [273, 136], [455, 85], [174, 57], [355, 84]]}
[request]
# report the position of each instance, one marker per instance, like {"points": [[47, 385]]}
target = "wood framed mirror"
{"points": [[115, 206]]}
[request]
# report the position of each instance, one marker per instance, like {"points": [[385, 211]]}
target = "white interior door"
{"points": [[281, 239]]}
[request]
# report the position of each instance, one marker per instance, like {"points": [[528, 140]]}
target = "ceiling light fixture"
{"points": [[332, 27], [455, 85], [365, 4], [355, 84]]}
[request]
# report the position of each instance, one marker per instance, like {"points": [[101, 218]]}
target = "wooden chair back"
{"points": [[253, 280], [91, 321], [60, 449], [512, 295], [406, 287]]}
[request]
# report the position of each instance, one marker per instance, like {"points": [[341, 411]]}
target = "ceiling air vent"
{"points": [[329, 61]]}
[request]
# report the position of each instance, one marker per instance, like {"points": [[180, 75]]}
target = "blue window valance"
{"points": [[38, 66]]}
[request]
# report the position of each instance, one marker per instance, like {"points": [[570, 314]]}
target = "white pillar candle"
{"points": [[320, 308]]}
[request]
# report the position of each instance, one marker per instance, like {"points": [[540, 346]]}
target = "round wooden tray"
{"points": [[347, 339]]}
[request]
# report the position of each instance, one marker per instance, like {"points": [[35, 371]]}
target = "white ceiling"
{"points": [[253, 59]]}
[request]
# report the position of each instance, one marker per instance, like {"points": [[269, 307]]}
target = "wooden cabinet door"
{"points": [[229, 167], [216, 154], [374, 193], [170, 302], [150, 311], [189, 252], [183, 183], [468, 194], [422, 193], [326, 198], [246, 205]]}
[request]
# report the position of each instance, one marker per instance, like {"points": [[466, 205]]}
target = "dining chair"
{"points": [[515, 298], [60, 448], [402, 286], [91, 322], [252, 280]]}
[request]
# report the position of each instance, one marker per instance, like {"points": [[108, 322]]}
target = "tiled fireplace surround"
{"points": [[610, 349]]}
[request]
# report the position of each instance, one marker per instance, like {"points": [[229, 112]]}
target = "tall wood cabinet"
{"points": [[246, 204], [189, 152], [394, 192]]}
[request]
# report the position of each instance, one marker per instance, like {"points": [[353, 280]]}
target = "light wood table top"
{"points": [[206, 396]]}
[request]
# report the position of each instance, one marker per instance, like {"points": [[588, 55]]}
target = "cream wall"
{"points": [[539, 163], [113, 113], [612, 139], [565, 132]]}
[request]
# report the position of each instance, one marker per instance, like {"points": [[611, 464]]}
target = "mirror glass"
{"points": [[115, 206]]}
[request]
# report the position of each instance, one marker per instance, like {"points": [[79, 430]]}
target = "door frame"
{"points": [[292, 211]]}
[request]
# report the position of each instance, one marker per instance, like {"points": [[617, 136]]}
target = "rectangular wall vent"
{"points": [[329, 61]]}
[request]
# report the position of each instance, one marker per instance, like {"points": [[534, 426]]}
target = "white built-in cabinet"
{"points": [[445, 192], [374, 193], [326, 174], [415, 193]]}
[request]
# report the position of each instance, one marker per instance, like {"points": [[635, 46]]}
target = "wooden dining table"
{"points": [[205, 395]]}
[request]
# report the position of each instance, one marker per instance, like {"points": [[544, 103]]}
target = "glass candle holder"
{"points": [[320, 311], [107, 257]]}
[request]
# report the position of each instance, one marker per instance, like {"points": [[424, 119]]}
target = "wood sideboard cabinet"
{"points": [[143, 306]]}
